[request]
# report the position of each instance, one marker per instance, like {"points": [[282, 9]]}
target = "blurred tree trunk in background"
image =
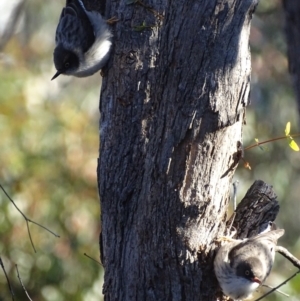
{"points": [[292, 29], [7, 29], [172, 108]]}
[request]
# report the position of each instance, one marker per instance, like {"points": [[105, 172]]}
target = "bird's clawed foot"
{"points": [[112, 20], [221, 239], [227, 238]]}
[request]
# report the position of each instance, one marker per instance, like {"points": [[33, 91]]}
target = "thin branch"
{"points": [[43, 227], [295, 261], [278, 286], [285, 253], [270, 140], [93, 259], [8, 282], [278, 291], [27, 219], [29, 233], [22, 284]]}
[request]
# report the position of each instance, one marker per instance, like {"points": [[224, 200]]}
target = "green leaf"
{"points": [[294, 146], [287, 128], [139, 28], [256, 140], [143, 26]]}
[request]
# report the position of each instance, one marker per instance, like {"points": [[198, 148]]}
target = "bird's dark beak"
{"points": [[257, 280], [56, 75]]}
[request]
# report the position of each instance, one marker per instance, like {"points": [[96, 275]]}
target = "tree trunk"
{"points": [[292, 29], [172, 108]]}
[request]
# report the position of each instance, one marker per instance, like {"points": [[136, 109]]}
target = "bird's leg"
{"points": [[231, 220], [112, 20], [225, 239], [228, 238]]}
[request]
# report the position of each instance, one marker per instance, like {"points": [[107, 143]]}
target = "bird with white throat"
{"points": [[83, 41], [241, 266]]}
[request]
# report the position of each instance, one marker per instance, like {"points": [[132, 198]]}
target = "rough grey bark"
{"points": [[172, 107], [292, 29], [256, 210]]}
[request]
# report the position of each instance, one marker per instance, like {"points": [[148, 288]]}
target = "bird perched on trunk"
{"points": [[83, 41], [241, 266]]}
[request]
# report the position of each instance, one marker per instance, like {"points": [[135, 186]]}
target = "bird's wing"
{"points": [[271, 236], [269, 239], [82, 31]]}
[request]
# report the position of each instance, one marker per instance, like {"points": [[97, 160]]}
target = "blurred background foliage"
{"points": [[48, 157], [49, 149], [273, 104]]}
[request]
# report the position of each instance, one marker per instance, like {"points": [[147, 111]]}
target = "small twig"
{"points": [[278, 291], [295, 261], [268, 141], [277, 287], [43, 227], [93, 259], [8, 282], [27, 219], [22, 284], [285, 253]]}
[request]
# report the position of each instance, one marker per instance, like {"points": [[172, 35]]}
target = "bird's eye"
{"points": [[67, 65], [247, 273]]}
